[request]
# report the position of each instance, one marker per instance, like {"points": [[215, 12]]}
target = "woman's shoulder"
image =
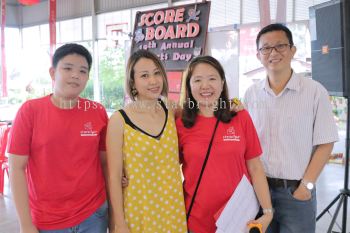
{"points": [[180, 127], [178, 121], [241, 116], [117, 116]]}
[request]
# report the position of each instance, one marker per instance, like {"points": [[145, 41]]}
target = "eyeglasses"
{"points": [[279, 48]]}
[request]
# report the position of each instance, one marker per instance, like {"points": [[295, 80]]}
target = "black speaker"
{"points": [[330, 45]]}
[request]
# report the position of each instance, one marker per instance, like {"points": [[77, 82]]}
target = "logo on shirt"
{"points": [[231, 135], [88, 130]]}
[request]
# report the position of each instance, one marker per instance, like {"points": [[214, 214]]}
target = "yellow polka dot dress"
{"points": [[153, 200]]}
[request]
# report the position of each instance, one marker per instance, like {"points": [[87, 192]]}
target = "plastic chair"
{"points": [[4, 166]]}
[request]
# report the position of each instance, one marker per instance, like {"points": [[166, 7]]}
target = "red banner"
{"points": [[3, 54], [52, 25], [28, 2]]}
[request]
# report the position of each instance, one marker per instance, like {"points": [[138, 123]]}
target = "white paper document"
{"points": [[242, 207]]}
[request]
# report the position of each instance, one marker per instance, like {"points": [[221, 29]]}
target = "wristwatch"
{"points": [[268, 211], [309, 185]]}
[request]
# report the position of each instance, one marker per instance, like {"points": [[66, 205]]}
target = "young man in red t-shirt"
{"points": [[57, 146]]}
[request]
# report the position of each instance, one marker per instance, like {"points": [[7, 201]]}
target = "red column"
{"points": [[52, 25]]}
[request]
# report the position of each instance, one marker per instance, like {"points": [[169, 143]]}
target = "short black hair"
{"points": [[275, 27], [68, 49]]}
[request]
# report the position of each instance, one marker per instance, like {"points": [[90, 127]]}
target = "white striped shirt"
{"points": [[290, 124]]}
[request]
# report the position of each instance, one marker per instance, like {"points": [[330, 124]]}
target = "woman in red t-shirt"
{"points": [[235, 150]]}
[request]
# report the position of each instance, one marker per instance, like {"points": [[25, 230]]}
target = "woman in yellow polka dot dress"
{"points": [[142, 142]]}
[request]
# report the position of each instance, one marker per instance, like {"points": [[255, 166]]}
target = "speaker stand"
{"points": [[345, 192]]}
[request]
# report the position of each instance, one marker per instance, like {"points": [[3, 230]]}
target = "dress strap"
{"points": [[135, 127]]}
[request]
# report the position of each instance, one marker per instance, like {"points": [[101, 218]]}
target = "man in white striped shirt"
{"points": [[294, 120]]}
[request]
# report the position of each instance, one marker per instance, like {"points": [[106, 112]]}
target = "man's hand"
{"points": [[264, 220], [236, 105], [302, 193], [125, 181]]}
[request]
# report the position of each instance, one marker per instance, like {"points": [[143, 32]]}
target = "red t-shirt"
{"points": [[64, 173], [234, 143]]}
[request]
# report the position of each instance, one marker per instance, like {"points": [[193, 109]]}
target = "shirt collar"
{"points": [[293, 83]]}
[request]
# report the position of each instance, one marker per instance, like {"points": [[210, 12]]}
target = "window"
{"points": [[87, 28], [227, 12], [70, 30]]}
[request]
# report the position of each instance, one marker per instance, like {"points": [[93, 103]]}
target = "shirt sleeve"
{"points": [[246, 99], [325, 129], [102, 145], [253, 148], [22, 131]]}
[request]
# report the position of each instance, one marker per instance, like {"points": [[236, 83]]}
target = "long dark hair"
{"points": [[190, 109]]}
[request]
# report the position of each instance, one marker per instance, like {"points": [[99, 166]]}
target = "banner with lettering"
{"points": [[175, 34]]}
